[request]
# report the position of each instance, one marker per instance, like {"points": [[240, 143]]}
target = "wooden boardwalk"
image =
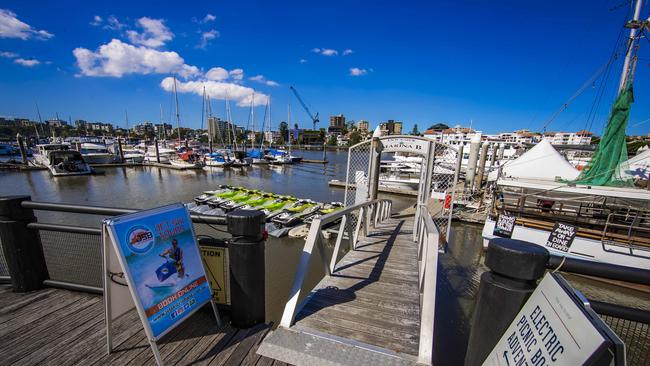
{"points": [[60, 327], [370, 301]]}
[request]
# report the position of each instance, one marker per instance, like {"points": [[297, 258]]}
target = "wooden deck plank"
{"points": [[373, 296]]}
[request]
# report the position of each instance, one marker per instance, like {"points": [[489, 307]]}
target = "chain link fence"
{"points": [[4, 269], [73, 258], [443, 182]]}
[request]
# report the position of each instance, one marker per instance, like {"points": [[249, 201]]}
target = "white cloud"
{"points": [[97, 21], [325, 51], [27, 62], [11, 27], [7, 54], [217, 74], [113, 23], [242, 95], [155, 33], [206, 37], [303, 61], [117, 58], [355, 71], [208, 18], [347, 51], [236, 74], [263, 80]]}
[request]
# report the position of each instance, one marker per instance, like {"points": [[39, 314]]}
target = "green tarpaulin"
{"points": [[605, 166]]}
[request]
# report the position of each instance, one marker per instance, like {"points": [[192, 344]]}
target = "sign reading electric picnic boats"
{"points": [[157, 253], [551, 329]]}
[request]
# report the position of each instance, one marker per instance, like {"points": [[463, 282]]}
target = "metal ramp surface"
{"points": [[366, 313]]}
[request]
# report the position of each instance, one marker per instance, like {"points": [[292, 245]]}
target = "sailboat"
{"points": [[597, 214], [256, 157], [185, 159]]}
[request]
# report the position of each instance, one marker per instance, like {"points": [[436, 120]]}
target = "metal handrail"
{"points": [[371, 212], [107, 211], [428, 248]]}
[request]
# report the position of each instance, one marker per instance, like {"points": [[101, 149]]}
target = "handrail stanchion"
{"points": [[337, 246]]}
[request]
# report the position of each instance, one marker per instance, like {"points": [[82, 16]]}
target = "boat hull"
{"points": [[98, 158], [581, 248]]}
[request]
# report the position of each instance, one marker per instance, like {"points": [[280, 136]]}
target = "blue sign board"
{"points": [[158, 252]]}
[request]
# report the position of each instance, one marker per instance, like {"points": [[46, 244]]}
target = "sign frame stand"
{"points": [[106, 248]]}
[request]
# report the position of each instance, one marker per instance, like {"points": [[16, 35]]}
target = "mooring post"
{"points": [[23, 150], [155, 143], [210, 145], [21, 246], [478, 182], [515, 266], [187, 144], [375, 163], [470, 172], [121, 152], [247, 269]]}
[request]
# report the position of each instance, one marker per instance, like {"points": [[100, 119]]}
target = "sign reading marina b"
{"points": [[405, 144], [158, 252]]}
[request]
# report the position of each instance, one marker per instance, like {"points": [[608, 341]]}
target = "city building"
{"points": [[363, 126], [569, 138], [337, 124], [56, 123], [163, 130], [143, 128], [272, 136], [390, 127]]}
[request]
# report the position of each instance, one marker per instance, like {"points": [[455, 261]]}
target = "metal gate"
{"points": [[429, 164]]}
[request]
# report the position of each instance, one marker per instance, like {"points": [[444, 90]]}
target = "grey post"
{"points": [[155, 143], [121, 152], [21, 146], [375, 160], [515, 266], [247, 269], [481, 167], [493, 157], [22, 247], [470, 172], [502, 148]]}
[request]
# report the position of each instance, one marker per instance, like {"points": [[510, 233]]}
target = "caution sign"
{"points": [[216, 263]]}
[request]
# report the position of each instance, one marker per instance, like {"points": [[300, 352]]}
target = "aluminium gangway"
{"points": [[375, 305]]}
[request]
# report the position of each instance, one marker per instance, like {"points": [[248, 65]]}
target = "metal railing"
{"points": [[428, 238], [364, 214], [73, 253]]}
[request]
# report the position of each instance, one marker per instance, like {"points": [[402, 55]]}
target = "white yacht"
{"points": [[94, 153], [165, 155], [60, 160], [41, 154]]}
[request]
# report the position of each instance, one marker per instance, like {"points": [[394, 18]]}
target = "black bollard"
{"points": [[515, 267], [155, 142], [247, 276], [120, 150], [21, 246]]}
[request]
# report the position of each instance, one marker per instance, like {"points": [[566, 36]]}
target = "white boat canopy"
{"points": [[637, 166], [540, 162]]}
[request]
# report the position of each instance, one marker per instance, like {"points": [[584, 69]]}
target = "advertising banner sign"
{"points": [[162, 266], [552, 328], [406, 144]]}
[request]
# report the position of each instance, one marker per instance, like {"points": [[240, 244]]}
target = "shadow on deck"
{"points": [[60, 327]]}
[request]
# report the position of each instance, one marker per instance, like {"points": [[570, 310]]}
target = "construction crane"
{"points": [[314, 119]]}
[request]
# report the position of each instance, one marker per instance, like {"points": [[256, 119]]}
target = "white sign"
{"points": [[405, 144], [551, 329]]}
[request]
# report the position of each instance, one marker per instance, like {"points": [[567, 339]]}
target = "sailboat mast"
{"points": [[178, 115], [126, 117], [162, 123], [40, 120], [630, 47], [253, 121], [269, 125]]}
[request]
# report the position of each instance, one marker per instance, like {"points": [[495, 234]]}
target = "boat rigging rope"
{"points": [[560, 265]]}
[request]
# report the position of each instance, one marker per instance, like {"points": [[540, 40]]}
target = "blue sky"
{"points": [[501, 65]]}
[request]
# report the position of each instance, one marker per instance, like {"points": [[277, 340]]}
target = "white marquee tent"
{"points": [[540, 162]]}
